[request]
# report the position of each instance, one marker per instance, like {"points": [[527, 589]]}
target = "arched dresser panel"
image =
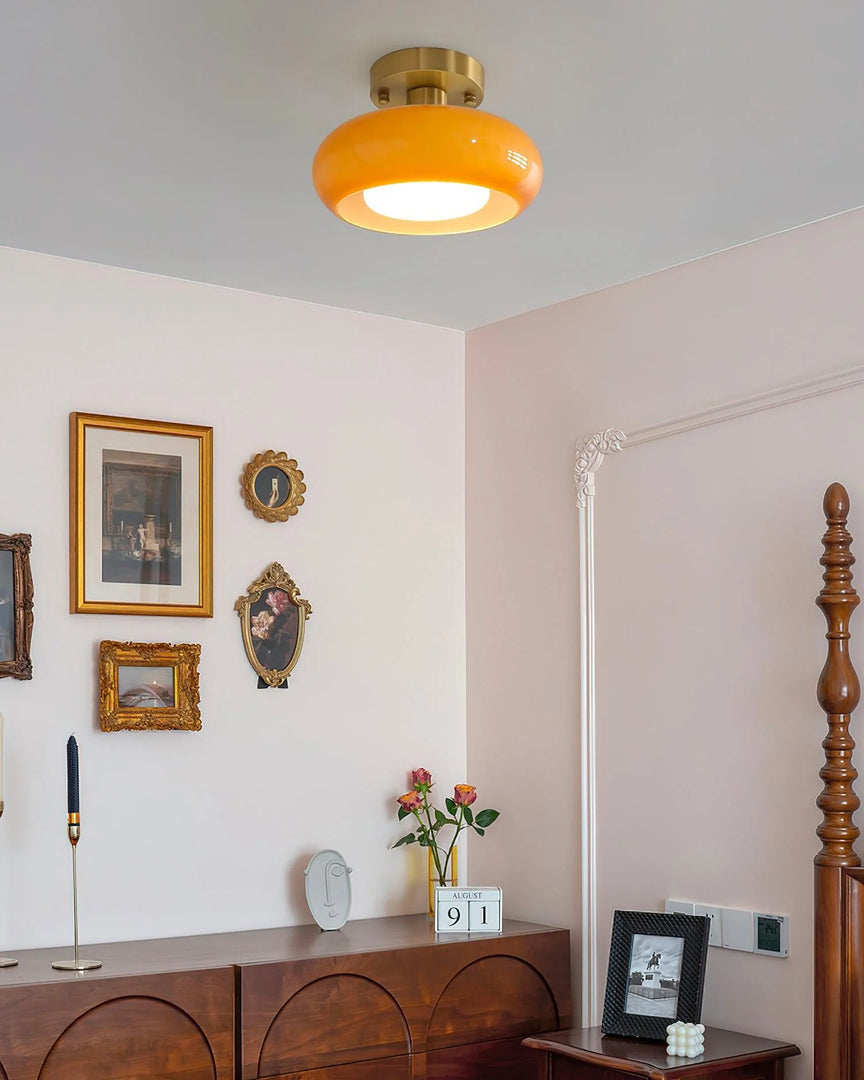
{"points": [[497, 997], [133, 1038], [335, 1020], [169, 1026]]}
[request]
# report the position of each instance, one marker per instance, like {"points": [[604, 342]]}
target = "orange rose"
{"points": [[410, 801], [464, 794], [421, 778]]}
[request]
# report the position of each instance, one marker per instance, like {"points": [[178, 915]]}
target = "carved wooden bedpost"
{"points": [[838, 694]]}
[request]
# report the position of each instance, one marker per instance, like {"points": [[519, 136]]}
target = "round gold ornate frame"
{"points": [[270, 459]]}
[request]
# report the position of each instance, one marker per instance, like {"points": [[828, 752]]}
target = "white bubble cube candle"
{"points": [[685, 1040]]}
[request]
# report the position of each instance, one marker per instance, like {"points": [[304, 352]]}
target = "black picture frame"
{"points": [[656, 972]]}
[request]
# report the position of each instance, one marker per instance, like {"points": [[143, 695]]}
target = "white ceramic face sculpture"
{"points": [[328, 889]]}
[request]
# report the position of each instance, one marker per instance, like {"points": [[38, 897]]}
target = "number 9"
{"points": [[454, 915]]}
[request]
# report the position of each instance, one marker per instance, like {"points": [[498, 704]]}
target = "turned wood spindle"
{"points": [[838, 690], [838, 693]]}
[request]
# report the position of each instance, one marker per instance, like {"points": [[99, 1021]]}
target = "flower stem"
{"points": [[459, 827], [430, 835]]}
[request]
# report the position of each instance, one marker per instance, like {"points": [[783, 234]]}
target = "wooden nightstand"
{"points": [[588, 1054]]}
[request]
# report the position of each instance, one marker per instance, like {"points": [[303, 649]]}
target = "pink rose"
{"points": [[277, 601], [410, 802], [421, 778], [464, 794]]}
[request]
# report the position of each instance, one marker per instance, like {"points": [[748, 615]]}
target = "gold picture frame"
{"points": [[16, 606], [141, 516], [148, 686], [273, 617], [272, 486]]}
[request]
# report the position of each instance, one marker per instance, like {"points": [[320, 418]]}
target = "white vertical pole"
{"points": [[590, 453], [588, 764]]}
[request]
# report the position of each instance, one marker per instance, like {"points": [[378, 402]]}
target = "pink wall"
{"points": [[708, 641]]}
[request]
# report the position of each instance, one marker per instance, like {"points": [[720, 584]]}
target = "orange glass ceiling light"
{"points": [[427, 162]]}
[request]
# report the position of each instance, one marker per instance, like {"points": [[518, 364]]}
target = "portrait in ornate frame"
{"points": [[148, 686], [141, 516], [272, 486], [273, 617], [16, 606]]}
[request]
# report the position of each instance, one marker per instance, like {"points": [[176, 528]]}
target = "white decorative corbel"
{"points": [[590, 453]]}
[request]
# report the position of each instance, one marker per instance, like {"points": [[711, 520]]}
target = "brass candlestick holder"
{"points": [[73, 828], [6, 961], [76, 963]]}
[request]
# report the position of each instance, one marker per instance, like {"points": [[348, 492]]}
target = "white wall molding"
{"points": [[770, 399], [590, 454]]}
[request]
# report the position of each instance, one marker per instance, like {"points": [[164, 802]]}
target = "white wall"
{"points": [[194, 832], [709, 644]]}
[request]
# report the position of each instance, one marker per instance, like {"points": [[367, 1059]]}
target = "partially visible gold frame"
{"points": [[19, 665], [184, 715], [274, 577], [296, 487], [78, 601]]}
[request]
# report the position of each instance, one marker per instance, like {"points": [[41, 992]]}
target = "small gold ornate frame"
{"points": [[273, 617], [148, 686], [16, 606], [273, 486]]}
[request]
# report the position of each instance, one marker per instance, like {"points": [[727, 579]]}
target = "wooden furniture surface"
{"points": [[838, 878], [588, 1054], [381, 999]]}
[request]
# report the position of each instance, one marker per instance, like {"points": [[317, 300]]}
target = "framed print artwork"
{"points": [[273, 618], [147, 686], [141, 516], [16, 606], [656, 972], [272, 486]]}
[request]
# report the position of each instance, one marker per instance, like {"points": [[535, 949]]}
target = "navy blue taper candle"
{"points": [[73, 798]]}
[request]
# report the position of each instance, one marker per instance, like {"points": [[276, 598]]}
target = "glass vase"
{"points": [[452, 878]]}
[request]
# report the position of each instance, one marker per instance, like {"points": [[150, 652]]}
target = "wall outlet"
{"points": [[682, 907], [713, 913], [737, 929]]}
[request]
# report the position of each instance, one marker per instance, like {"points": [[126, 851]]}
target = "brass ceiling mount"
{"points": [[426, 76]]}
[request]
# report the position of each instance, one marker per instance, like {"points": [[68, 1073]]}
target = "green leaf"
{"points": [[423, 841], [403, 813], [440, 819], [409, 838], [478, 830], [469, 814], [486, 817], [451, 806]]}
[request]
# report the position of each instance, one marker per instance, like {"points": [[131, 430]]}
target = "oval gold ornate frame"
{"points": [[288, 467], [273, 578]]}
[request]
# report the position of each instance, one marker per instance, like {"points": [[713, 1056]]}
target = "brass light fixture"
{"points": [[427, 162]]}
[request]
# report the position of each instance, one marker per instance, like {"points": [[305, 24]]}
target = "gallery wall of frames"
{"points": [[232, 566]]}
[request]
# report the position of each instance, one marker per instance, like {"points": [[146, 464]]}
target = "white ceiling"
{"points": [[176, 137]]}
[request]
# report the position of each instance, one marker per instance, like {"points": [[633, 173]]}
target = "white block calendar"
{"points": [[475, 909]]}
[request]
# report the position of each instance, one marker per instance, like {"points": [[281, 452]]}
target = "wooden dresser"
{"points": [[381, 999]]}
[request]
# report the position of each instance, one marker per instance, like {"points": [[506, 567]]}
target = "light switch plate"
{"points": [[737, 929], [713, 913], [682, 907]]}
